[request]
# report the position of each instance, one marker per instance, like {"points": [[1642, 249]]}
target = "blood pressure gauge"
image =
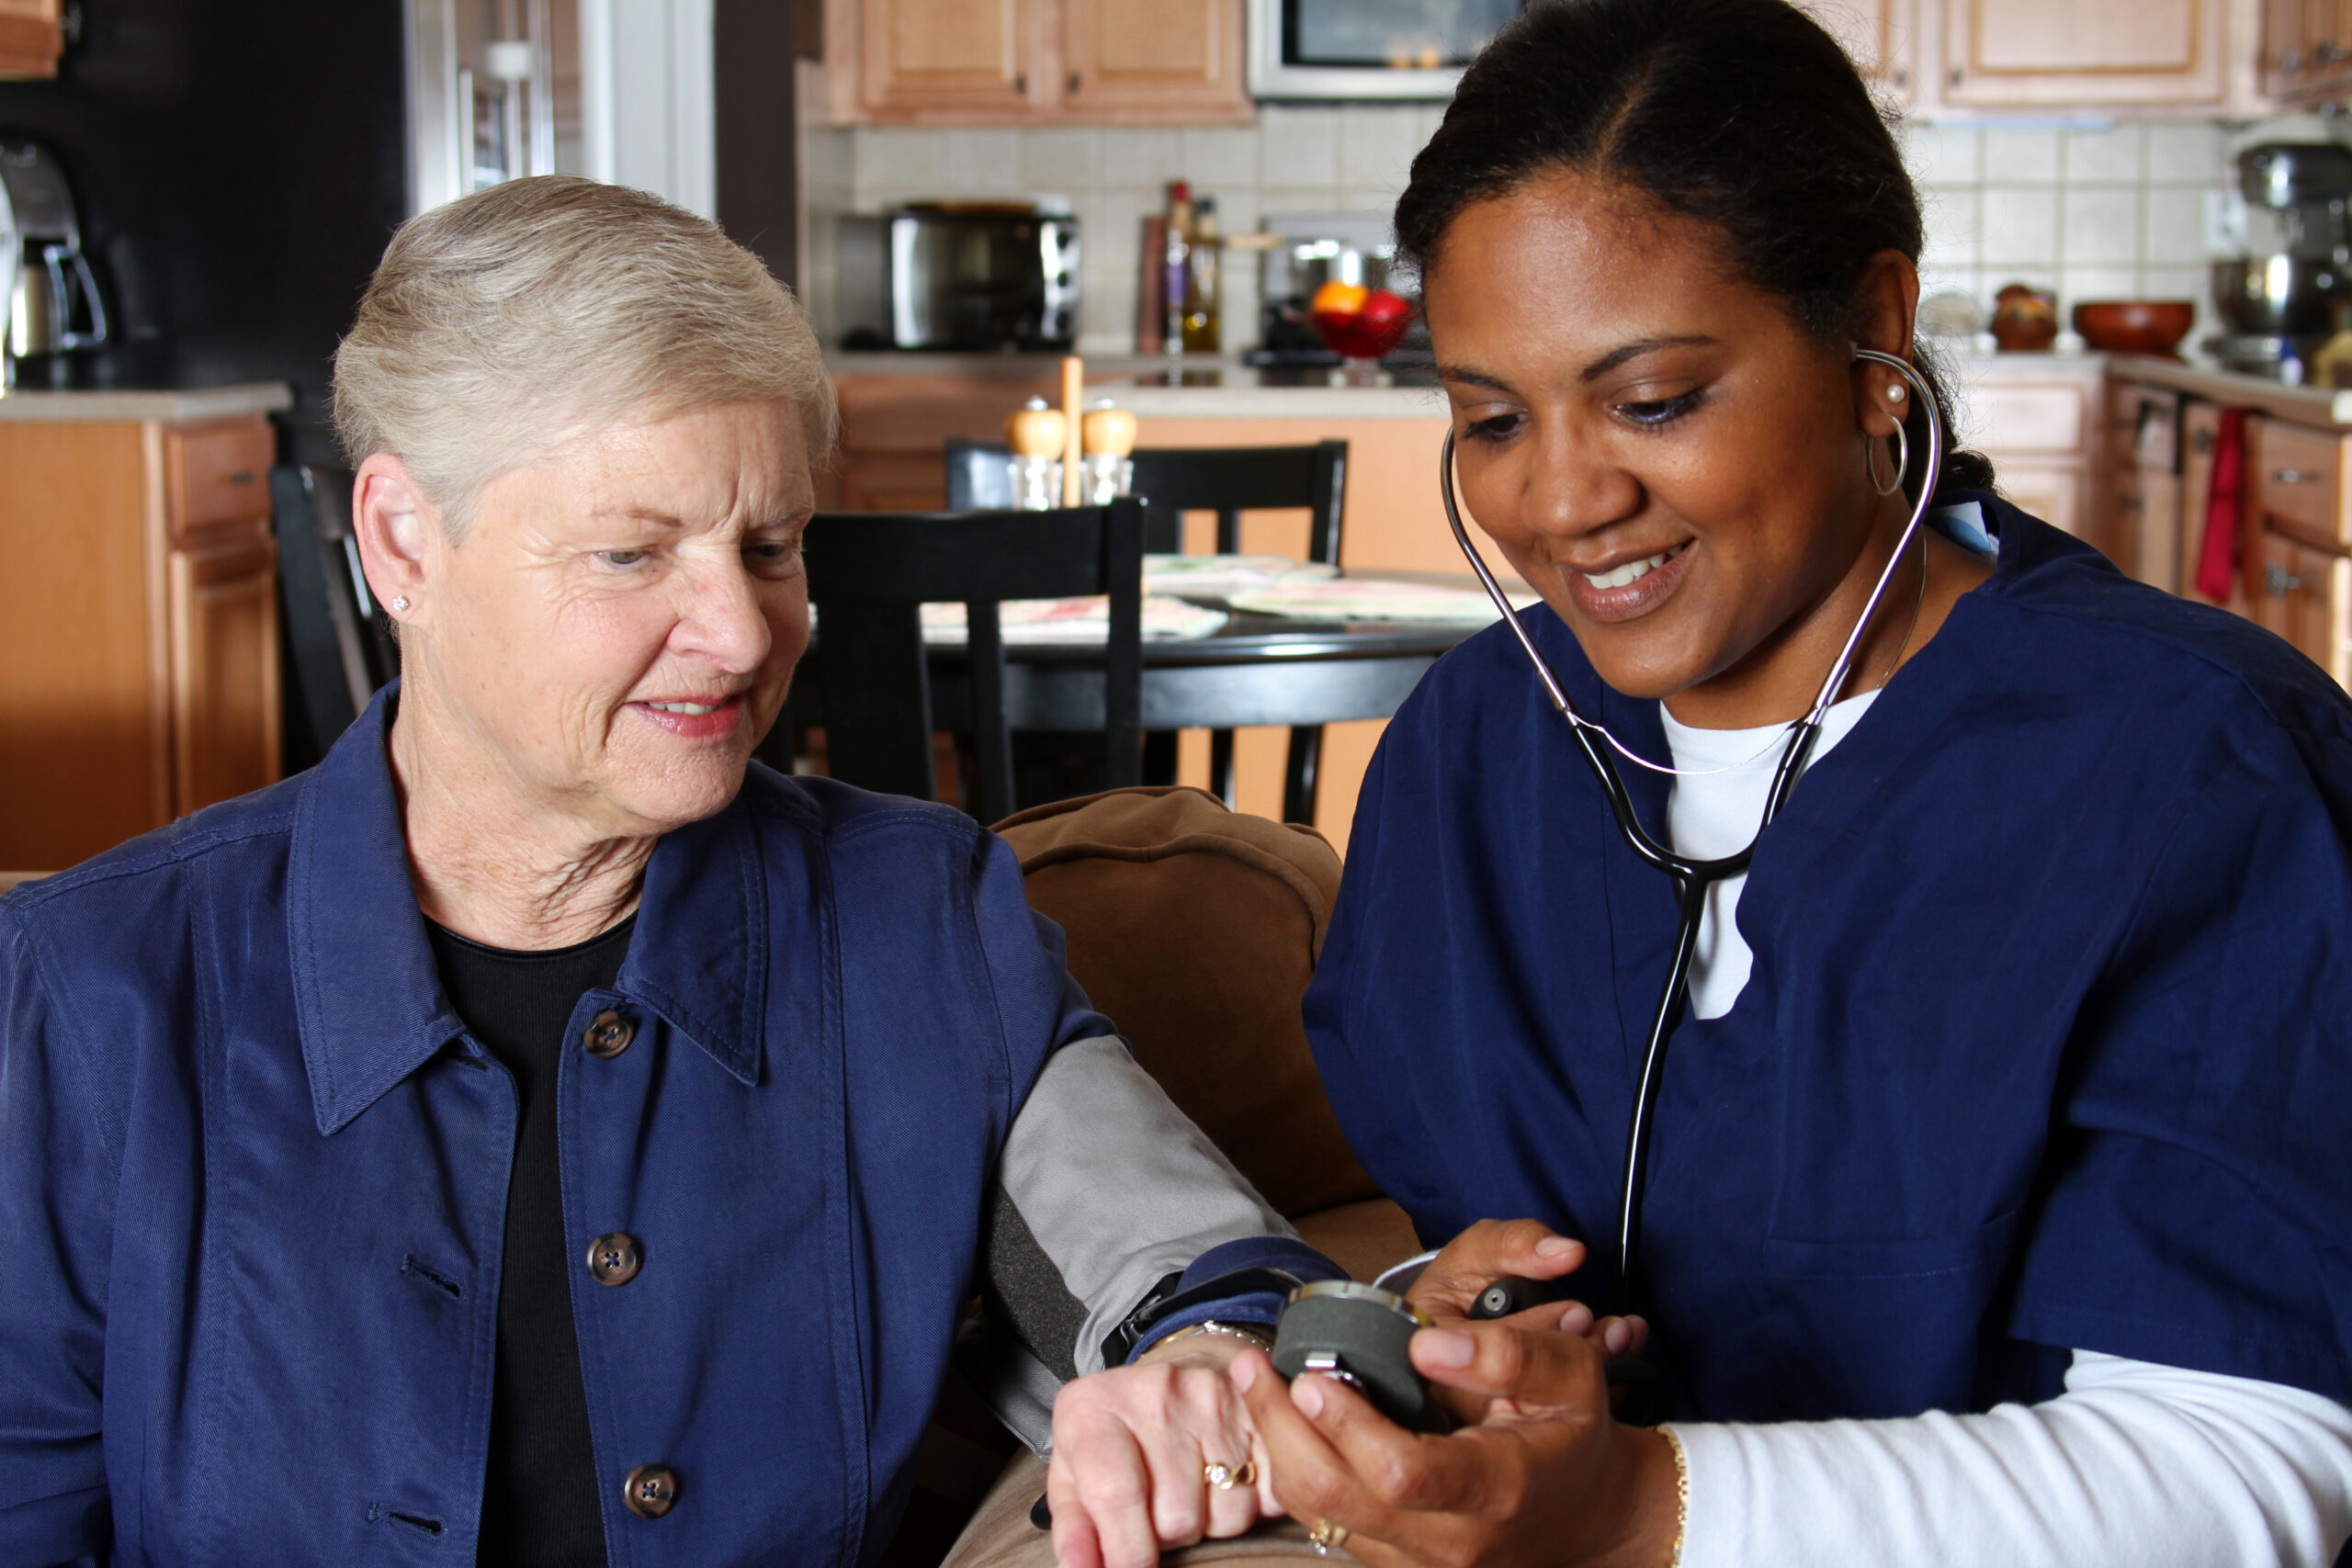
{"points": [[1358, 1334]]}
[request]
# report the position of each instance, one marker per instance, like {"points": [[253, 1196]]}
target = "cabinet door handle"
{"points": [[1073, 83], [2279, 580], [241, 477], [2295, 475], [1021, 82], [2204, 442]]}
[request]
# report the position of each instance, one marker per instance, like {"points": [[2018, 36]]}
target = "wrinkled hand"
{"points": [[1130, 1447], [1545, 1478]]}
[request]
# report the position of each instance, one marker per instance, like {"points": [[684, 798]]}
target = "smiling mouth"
{"points": [[1631, 572], [693, 710]]}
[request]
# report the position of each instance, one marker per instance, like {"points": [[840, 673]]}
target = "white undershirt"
{"points": [[2134, 1464]]}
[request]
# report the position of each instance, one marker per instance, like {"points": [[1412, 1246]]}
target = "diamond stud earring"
{"points": [[401, 603]]}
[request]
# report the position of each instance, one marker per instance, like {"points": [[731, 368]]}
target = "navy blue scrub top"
{"points": [[2048, 1042], [252, 1180]]}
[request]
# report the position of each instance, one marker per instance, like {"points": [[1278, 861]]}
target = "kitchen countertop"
{"points": [[136, 407], [2303, 405]]}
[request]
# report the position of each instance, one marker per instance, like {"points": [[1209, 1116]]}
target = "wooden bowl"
{"points": [[2136, 326]]}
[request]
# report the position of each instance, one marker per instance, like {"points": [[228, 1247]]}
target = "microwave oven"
{"points": [[961, 278], [1395, 49]]}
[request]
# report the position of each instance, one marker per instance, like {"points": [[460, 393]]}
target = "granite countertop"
{"points": [[136, 407]]}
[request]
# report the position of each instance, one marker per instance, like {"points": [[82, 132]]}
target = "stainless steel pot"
{"points": [[2279, 295]]}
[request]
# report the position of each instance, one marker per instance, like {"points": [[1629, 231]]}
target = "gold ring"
{"points": [[1226, 1477], [1326, 1536]]}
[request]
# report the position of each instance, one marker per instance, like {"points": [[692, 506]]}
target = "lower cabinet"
{"points": [[2305, 594], [138, 644]]}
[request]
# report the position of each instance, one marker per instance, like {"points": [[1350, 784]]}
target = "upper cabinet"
{"points": [[1877, 33], [1035, 62], [2307, 48], [1179, 62], [1132, 57], [951, 55], [2068, 53]]}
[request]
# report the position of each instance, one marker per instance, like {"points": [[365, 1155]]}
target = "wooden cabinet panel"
{"points": [[1876, 33], [2014, 417], [2306, 47], [224, 670], [2305, 595], [84, 756], [945, 54], [2050, 491], [218, 472], [2085, 52], [1155, 54], [2295, 481]]}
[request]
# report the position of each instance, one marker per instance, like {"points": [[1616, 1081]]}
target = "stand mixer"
{"points": [[2278, 297]]}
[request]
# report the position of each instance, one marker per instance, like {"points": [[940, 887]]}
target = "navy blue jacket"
{"points": [[252, 1180], [2047, 1046]]}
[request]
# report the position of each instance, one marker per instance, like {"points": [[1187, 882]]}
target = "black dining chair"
{"points": [[869, 573], [1227, 480], [339, 653]]}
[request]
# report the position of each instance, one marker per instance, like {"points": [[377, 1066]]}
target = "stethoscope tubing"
{"points": [[1693, 879]]}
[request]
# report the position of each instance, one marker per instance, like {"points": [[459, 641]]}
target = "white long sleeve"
{"points": [[2135, 1464]]}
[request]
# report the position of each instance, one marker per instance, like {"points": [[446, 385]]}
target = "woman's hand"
{"points": [[1132, 1447], [1545, 1478], [1496, 1249]]}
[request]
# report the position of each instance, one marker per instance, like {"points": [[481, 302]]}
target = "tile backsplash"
{"points": [[2094, 213]]}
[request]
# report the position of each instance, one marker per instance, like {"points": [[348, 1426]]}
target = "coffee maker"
{"points": [[54, 302], [2279, 297]]}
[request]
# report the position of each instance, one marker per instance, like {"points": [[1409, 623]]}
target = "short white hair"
{"points": [[506, 322]]}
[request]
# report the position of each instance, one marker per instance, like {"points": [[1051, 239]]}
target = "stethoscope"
{"points": [[1693, 879]]}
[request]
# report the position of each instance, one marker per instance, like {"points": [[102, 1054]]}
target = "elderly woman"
{"points": [[535, 1136]]}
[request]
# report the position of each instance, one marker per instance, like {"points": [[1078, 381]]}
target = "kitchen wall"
{"points": [[2094, 213]]}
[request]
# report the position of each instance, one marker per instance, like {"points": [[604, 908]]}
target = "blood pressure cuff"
{"points": [[1241, 1281]]}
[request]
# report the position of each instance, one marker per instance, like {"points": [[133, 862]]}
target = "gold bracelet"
{"points": [[1682, 1495], [1249, 1331]]}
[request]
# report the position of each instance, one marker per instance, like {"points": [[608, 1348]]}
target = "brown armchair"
{"points": [[1195, 930]]}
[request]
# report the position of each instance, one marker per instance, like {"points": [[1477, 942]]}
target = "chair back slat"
{"points": [[873, 666], [869, 573]]}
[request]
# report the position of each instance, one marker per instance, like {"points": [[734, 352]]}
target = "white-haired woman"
{"points": [[535, 1136]]}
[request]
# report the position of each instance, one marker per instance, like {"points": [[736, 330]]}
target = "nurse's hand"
{"points": [[1545, 1478], [1132, 1447], [1496, 1250]]}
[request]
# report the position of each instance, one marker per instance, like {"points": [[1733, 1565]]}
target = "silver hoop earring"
{"points": [[1902, 460]]}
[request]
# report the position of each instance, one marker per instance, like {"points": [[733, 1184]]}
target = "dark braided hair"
{"points": [[1743, 114]]}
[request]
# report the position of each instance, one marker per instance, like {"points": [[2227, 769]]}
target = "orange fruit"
{"points": [[1338, 299]]}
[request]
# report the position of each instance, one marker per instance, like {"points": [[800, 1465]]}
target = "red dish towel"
{"points": [[2217, 563]]}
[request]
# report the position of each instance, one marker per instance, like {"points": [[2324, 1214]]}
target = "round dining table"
{"points": [[1255, 670]]}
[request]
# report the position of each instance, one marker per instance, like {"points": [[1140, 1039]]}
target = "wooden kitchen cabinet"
{"points": [[950, 55], [1036, 61], [1878, 34], [2082, 53], [2305, 594], [139, 646], [2306, 48], [1177, 57]]}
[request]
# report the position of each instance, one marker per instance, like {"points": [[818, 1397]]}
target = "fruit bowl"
{"points": [[2136, 326], [1360, 324]]}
